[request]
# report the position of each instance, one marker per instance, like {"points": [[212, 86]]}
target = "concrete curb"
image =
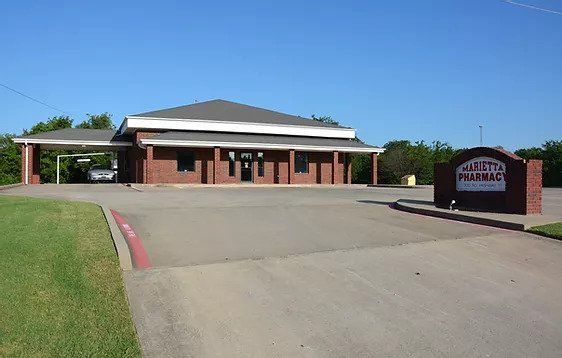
{"points": [[9, 186], [139, 187], [455, 215], [398, 186], [118, 241]]}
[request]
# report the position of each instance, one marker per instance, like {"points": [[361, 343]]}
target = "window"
{"points": [[260, 164], [186, 162], [231, 163], [301, 163]]}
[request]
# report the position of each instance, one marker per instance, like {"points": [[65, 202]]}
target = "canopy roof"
{"points": [[77, 138], [257, 141]]}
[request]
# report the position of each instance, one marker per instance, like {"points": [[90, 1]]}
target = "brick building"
{"points": [[214, 142]]}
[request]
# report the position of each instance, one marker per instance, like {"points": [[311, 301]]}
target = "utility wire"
{"points": [[533, 7], [33, 99]]}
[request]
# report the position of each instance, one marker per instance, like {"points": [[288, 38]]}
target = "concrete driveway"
{"points": [[334, 272]]}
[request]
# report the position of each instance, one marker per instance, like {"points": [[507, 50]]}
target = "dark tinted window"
{"points": [[301, 163], [260, 164], [231, 163], [186, 162]]}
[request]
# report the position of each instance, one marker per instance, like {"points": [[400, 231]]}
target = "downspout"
{"points": [[26, 163]]}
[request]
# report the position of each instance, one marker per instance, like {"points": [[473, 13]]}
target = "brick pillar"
{"points": [[533, 187], [216, 165], [348, 178], [23, 164], [335, 171], [33, 164], [149, 167], [374, 168], [291, 166]]}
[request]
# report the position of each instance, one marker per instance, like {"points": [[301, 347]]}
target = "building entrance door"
{"points": [[246, 167]]}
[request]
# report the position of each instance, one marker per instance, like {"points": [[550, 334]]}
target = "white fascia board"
{"points": [[73, 142], [123, 126], [131, 123], [206, 144]]}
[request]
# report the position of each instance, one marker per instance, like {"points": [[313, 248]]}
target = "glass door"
{"points": [[246, 167]]}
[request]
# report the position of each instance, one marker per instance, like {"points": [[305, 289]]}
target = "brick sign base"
{"points": [[489, 179]]}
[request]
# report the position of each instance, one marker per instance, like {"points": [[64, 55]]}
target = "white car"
{"points": [[98, 173]]}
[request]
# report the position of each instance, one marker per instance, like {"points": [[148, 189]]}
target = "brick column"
{"points": [[335, 171], [533, 187], [23, 163], [36, 170], [374, 167], [291, 166], [149, 175], [33, 163], [349, 175], [216, 165]]}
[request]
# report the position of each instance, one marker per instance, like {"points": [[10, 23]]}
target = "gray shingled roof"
{"points": [[80, 134], [227, 111], [260, 139]]}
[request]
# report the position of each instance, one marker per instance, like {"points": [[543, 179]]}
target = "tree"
{"points": [[325, 119], [551, 155], [52, 124], [97, 121], [10, 160], [552, 163], [394, 162], [530, 153], [401, 157]]}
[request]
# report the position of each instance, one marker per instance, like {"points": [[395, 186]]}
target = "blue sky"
{"points": [[418, 70]]}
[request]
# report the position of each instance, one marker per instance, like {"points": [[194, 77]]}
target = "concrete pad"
{"points": [[484, 296], [501, 220]]}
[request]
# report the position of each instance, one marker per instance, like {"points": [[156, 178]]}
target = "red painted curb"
{"points": [[140, 258]]}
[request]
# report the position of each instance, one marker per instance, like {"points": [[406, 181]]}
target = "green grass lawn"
{"points": [[61, 292], [550, 230]]}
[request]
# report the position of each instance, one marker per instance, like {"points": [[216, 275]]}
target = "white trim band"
{"points": [[131, 123], [209, 144], [73, 142]]}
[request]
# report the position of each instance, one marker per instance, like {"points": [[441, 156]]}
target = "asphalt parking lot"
{"points": [[287, 272], [183, 227]]}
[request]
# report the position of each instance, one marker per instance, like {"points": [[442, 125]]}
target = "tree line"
{"points": [[401, 157]]}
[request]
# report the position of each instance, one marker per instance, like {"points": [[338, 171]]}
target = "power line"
{"points": [[533, 7], [33, 99]]}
